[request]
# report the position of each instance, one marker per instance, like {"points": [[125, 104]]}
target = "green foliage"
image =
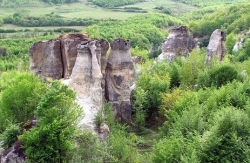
{"points": [[191, 68], [114, 3], [1, 21], [208, 3], [168, 150], [122, 144], [231, 19], [222, 75], [16, 57], [52, 19], [153, 81], [53, 138], [138, 106], [143, 31], [230, 41], [243, 54], [89, 149], [59, 1], [9, 136], [20, 99], [228, 138]]}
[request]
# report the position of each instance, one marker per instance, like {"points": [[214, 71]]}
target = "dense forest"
{"points": [[183, 111]]}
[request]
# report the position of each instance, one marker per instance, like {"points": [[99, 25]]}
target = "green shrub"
{"points": [[90, 149], [222, 75], [191, 68], [20, 98], [9, 136], [228, 138], [53, 138]]}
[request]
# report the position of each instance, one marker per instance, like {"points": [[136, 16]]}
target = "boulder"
{"points": [[178, 43], [216, 46], [119, 78]]}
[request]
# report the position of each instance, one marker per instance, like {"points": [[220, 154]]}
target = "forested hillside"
{"points": [[143, 31], [182, 111], [232, 18]]}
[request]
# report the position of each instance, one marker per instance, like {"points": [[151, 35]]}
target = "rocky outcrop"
{"points": [[216, 46], [119, 78], [178, 43], [69, 51], [54, 59], [86, 80], [83, 65], [238, 45]]}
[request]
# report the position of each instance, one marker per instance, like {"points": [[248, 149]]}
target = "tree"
{"points": [[53, 138]]}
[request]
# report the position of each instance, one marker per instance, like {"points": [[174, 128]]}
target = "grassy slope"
{"points": [[84, 9]]}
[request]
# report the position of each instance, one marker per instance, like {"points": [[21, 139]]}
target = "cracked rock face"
{"points": [[178, 43], [119, 78], [216, 46], [83, 64]]}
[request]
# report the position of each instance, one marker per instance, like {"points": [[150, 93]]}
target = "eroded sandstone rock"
{"points": [[216, 46], [69, 51], [119, 78], [178, 43]]}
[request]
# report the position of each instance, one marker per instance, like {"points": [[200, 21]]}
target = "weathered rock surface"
{"points": [[15, 154], [216, 46], [86, 80], [119, 78], [83, 65], [54, 59], [238, 45], [69, 51], [178, 43]]}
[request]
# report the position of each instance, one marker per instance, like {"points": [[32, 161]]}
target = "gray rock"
{"points": [[216, 46], [178, 43]]}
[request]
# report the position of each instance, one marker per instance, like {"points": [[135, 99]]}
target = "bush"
{"points": [[53, 138], [222, 75], [20, 98], [153, 81], [228, 138], [89, 149], [9, 136]]}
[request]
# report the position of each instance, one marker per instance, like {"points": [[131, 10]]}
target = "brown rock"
{"points": [[69, 52], [119, 78], [52, 66], [178, 43], [36, 57], [216, 46]]}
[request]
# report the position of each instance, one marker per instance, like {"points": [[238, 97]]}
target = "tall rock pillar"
{"points": [[119, 77]]}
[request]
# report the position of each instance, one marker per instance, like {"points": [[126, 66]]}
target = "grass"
{"points": [[85, 9], [11, 26]]}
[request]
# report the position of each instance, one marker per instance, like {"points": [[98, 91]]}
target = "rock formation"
{"points": [[178, 43], [83, 65], [119, 78], [216, 46], [86, 80], [54, 59], [238, 45]]}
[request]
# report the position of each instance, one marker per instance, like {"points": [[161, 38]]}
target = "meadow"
{"points": [[85, 9]]}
